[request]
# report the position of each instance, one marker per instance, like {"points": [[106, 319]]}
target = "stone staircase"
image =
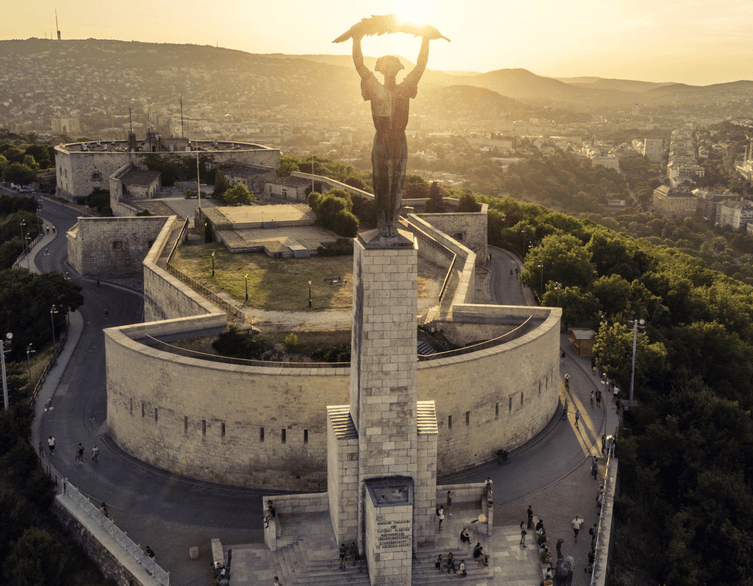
{"points": [[304, 563], [426, 574]]}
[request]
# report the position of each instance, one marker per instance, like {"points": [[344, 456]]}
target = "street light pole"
{"points": [[557, 286], [309, 294], [523, 231], [23, 235], [29, 351], [53, 311], [541, 290], [636, 324], [246, 277], [213, 264], [9, 337]]}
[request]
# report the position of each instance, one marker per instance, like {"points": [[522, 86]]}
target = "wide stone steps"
{"points": [[425, 572], [301, 563]]}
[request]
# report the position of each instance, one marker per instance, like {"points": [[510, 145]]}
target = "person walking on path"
{"points": [[593, 397], [95, 454], [51, 445], [523, 534], [577, 417], [530, 517], [450, 496], [594, 468], [276, 582], [440, 515], [343, 554], [80, 453], [354, 552], [598, 398], [438, 563], [577, 523]]}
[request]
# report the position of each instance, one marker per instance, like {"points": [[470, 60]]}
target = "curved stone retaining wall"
{"points": [[266, 426]]}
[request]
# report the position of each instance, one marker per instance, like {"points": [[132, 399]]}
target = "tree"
{"points": [[435, 205], [237, 195], [577, 307], [221, 185], [19, 173], [37, 558], [287, 166], [564, 260], [468, 203]]}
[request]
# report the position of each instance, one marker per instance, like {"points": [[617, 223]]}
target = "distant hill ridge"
{"points": [[126, 69]]}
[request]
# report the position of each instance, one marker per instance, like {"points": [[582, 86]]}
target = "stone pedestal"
{"points": [[388, 509], [384, 443]]}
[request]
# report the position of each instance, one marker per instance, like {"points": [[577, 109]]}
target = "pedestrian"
{"points": [[567, 381], [615, 393], [95, 454], [613, 447], [438, 562], [463, 573], [577, 417], [343, 554], [599, 501], [593, 398], [603, 444], [577, 523], [354, 555], [593, 532], [450, 496], [464, 537], [80, 453], [450, 564], [269, 513], [490, 256], [523, 534], [540, 526], [511, 272], [440, 516], [598, 398], [148, 551], [594, 468], [591, 558], [107, 314], [530, 517], [276, 582], [51, 445], [103, 509], [489, 489]]}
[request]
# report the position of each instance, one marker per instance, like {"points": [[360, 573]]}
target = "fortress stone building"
{"points": [[83, 167], [266, 425]]}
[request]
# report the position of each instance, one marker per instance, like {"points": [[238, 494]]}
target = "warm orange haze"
{"points": [[674, 41]]}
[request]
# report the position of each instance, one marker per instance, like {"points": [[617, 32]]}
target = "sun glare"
{"points": [[412, 11]]}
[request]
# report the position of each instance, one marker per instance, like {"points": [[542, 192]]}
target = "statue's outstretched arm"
{"points": [[422, 61], [362, 70]]}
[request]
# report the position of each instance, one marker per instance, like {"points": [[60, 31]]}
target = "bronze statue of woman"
{"points": [[390, 104]]}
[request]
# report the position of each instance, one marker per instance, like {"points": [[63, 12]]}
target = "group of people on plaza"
{"points": [[79, 451]]}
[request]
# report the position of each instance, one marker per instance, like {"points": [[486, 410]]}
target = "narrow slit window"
{"points": [[305, 436], [283, 436]]}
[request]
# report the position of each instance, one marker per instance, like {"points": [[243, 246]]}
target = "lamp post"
{"points": [[637, 323], [523, 231], [309, 294], [557, 287], [213, 264], [23, 235], [28, 251], [53, 311], [29, 351], [246, 277], [541, 290], [8, 337]]}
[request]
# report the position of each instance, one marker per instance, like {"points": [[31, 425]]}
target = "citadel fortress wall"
{"points": [[266, 425]]}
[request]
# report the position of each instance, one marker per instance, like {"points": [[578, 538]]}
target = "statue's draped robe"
{"points": [[389, 110]]}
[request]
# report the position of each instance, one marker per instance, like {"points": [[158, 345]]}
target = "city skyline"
{"points": [[684, 41]]}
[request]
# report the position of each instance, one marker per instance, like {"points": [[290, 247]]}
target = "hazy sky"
{"points": [[691, 41]]}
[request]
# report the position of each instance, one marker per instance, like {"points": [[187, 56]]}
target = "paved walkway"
{"points": [[551, 473]]}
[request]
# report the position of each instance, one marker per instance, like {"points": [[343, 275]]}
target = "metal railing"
{"points": [[160, 345], [48, 367], [205, 292], [83, 508], [519, 331], [177, 242]]}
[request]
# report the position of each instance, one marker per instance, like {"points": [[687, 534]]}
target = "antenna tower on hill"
{"points": [[57, 27]]}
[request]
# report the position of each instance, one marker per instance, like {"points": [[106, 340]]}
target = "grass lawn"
{"points": [[281, 284]]}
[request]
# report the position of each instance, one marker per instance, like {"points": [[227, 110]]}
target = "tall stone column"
{"points": [[383, 359]]}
